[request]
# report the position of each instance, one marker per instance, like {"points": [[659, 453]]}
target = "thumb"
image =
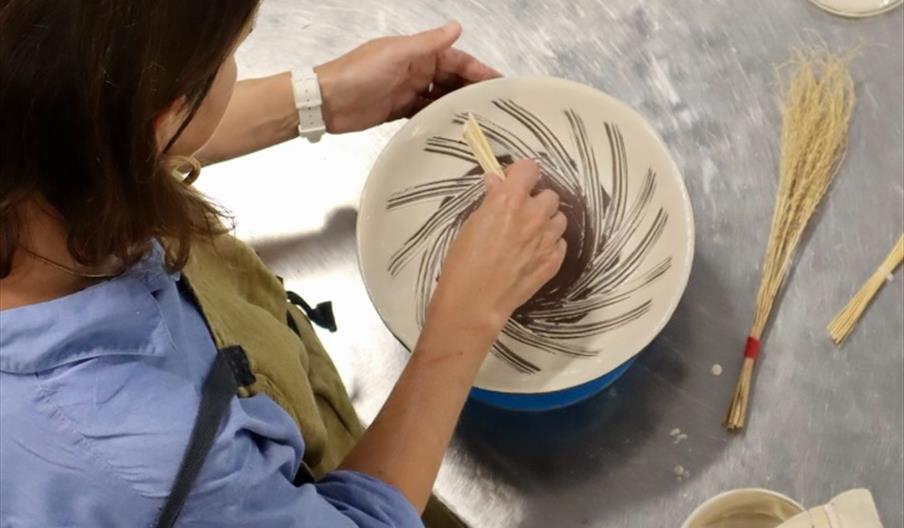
{"points": [[437, 39]]}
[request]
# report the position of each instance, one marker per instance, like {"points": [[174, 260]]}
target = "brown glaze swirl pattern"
{"points": [[608, 238]]}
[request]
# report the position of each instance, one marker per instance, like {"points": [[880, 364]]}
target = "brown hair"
{"points": [[81, 84]]}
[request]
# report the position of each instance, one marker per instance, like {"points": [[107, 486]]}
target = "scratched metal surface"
{"points": [[823, 419]]}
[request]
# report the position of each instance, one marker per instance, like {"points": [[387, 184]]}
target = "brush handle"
{"points": [[736, 417], [476, 139]]}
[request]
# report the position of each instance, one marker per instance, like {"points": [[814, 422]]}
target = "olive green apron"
{"points": [[246, 309]]}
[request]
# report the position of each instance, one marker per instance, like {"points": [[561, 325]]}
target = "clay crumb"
{"points": [[675, 432], [681, 473], [716, 370], [680, 438]]}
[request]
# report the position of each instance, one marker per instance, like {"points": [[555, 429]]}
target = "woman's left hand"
{"points": [[395, 77]]}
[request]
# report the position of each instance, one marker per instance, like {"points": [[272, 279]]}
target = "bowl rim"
{"points": [[829, 7], [689, 228], [726, 494]]}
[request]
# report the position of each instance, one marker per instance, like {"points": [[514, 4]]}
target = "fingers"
{"points": [[492, 182], [416, 106], [551, 263], [557, 225], [558, 255], [435, 90], [455, 68], [551, 232], [548, 202], [522, 176], [438, 90], [435, 40], [556, 258]]}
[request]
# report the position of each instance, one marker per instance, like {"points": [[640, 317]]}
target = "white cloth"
{"points": [[851, 509]]}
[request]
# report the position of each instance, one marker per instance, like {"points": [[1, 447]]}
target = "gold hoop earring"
{"points": [[186, 168]]}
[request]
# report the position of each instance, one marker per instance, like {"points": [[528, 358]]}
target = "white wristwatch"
{"points": [[309, 103]]}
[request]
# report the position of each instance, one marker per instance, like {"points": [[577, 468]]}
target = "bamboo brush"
{"points": [[816, 108], [843, 323], [481, 147]]}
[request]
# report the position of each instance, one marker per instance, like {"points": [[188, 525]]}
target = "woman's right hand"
{"points": [[504, 253]]}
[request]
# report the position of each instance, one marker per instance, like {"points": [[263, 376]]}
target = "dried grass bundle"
{"points": [[843, 323], [816, 109]]}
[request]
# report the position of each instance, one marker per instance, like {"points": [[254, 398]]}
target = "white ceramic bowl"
{"points": [[857, 8], [744, 508], [637, 234]]}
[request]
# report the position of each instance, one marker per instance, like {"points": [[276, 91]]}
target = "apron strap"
{"points": [[218, 390], [321, 315]]}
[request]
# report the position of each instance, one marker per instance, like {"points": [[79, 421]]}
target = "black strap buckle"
{"points": [[321, 315]]}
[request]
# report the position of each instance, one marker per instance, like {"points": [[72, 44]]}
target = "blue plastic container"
{"points": [[547, 401]]}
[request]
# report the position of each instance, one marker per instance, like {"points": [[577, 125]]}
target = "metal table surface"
{"points": [[823, 419]]}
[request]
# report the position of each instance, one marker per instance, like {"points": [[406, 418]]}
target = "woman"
{"points": [[122, 303]]}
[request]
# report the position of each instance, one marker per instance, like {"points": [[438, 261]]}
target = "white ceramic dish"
{"points": [[637, 234], [744, 508], [857, 8]]}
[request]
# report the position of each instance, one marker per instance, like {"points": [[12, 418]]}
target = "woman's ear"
{"points": [[167, 122]]}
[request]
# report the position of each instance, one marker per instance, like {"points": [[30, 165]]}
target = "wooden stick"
{"points": [[481, 147], [843, 323]]}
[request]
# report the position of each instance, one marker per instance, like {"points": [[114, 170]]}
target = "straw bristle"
{"points": [[816, 108], [815, 113], [737, 411], [843, 323]]}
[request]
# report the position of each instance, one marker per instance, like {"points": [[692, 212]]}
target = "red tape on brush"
{"points": [[752, 350]]}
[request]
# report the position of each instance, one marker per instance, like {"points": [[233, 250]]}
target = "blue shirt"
{"points": [[98, 394]]}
